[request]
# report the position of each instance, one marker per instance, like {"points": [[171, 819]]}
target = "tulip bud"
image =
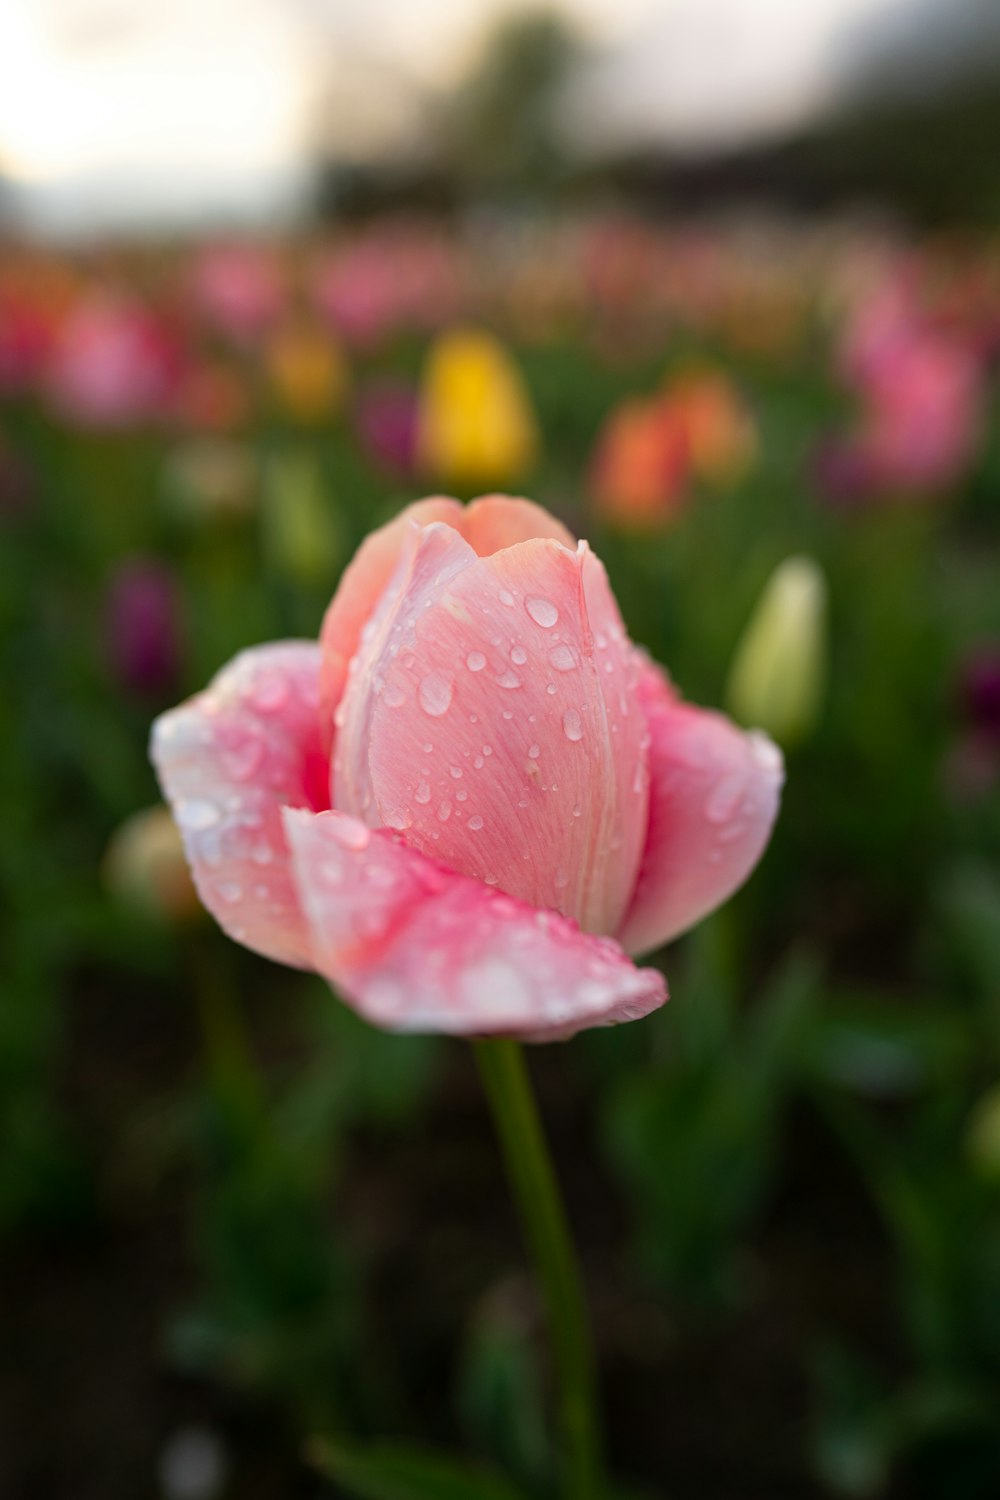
{"points": [[983, 1135], [145, 867], [776, 679], [301, 536], [475, 423]]}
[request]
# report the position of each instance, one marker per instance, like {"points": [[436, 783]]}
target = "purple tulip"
{"points": [[386, 419], [142, 627]]}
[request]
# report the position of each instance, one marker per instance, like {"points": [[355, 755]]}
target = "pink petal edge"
{"points": [[415, 947], [713, 798], [228, 760]]}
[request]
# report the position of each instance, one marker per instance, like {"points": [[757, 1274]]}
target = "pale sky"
{"points": [[185, 100]]}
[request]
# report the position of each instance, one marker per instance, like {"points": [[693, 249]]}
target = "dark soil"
{"points": [[713, 1409]]}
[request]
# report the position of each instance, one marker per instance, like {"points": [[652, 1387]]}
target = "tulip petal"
{"points": [[416, 947], [228, 760], [491, 717], [363, 582], [713, 798], [487, 524], [496, 521]]}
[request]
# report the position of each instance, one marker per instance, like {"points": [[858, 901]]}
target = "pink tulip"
{"points": [[239, 289], [114, 365], [473, 796]]}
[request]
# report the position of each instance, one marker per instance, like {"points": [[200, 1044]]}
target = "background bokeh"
{"points": [[718, 281]]}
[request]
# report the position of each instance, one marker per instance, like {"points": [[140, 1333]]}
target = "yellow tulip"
{"points": [[778, 672], [475, 423]]}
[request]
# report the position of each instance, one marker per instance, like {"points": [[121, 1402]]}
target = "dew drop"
{"points": [[542, 611], [422, 794], [508, 679], [506, 597], [475, 823], [572, 725], [394, 697], [435, 694], [350, 833], [230, 891], [475, 661], [270, 693], [444, 810], [519, 656], [533, 752], [563, 658], [197, 814], [241, 761], [723, 799]]}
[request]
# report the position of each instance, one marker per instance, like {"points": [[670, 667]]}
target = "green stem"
{"points": [[543, 1219]]}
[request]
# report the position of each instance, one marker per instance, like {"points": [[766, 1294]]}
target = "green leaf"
{"points": [[389, 1472]]}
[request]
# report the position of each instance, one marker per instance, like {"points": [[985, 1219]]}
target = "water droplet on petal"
{"points": [[508, 679], [350, 833], [542, 611], [723, 799], [506, 597], [533, 752], [519, 656], [572, 725], [197, 814], [241, 761], [422, 794], [394, 697], [444, 810], [475, 823], [475, 661], [230, 891], [563, 658], [435, 694], [270, 693]]}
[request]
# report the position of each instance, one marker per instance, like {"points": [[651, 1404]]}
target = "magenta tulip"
{"points": [[473, 796]]}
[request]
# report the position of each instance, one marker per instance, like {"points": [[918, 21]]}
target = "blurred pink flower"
{"points": [[921, 398], [239, 289], [473, 794], [114, 364]]}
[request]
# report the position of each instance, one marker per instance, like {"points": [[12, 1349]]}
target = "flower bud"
{"points": [[145, 867], [777, 676], [475, 423], [301, 537], [982, 1139]]}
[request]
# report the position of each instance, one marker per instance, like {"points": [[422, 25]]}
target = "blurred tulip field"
{"points": [[253, 1247]]}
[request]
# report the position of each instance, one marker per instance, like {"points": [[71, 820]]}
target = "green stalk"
{"points": [[543, 1220]]}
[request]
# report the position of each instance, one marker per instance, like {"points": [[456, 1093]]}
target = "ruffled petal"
{"points": [[491, 717], [416, 947], [228, 760], [713, 798]]}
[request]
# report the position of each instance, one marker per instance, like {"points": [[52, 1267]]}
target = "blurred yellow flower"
{"points": [[778, 673], [475, 422], [307, 372], [983, 1134]]}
